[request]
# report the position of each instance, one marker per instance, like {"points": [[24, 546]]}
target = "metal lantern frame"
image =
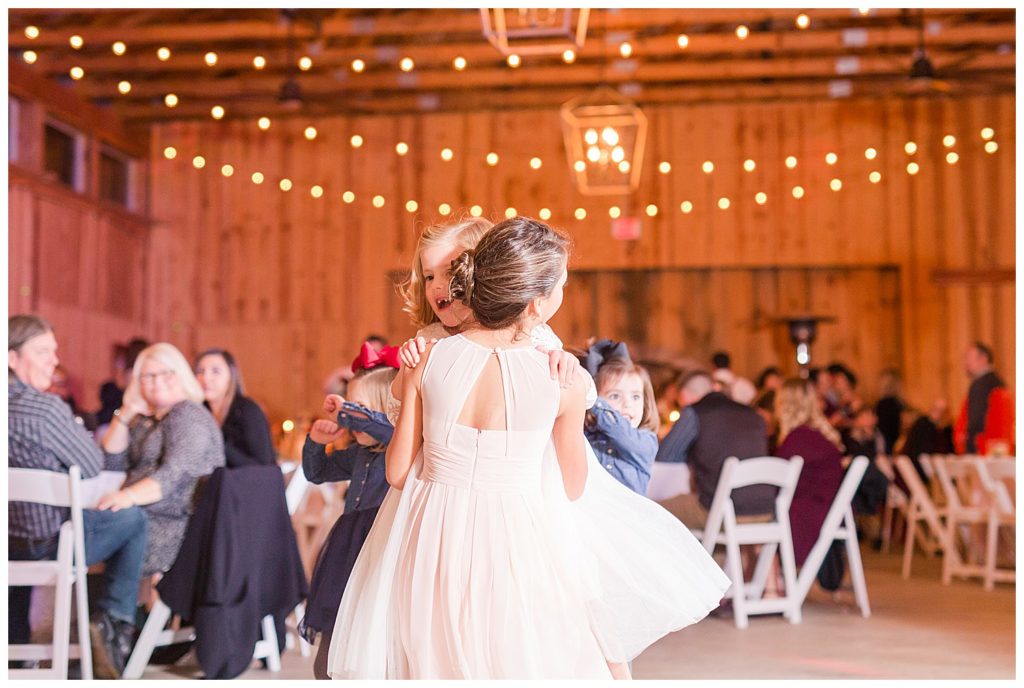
{"points": [[602, 108], [568, 33]]}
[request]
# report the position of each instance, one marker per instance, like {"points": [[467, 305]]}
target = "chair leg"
{"points": [[763, 568], [82, 608], [860, 586], [886, 526], [789, 576], [991, 550], [735, 567], [270, 637], [950, 558], [908, 545], [62, 624], [155, 624]]}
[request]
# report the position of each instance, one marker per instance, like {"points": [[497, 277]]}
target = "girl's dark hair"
{"points": [[235, 387], [517, 261]]}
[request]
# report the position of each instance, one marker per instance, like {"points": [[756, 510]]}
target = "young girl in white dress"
{"points": [[485, 560]]}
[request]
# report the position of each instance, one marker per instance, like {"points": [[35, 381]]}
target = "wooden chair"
{"points": [[67, 571], [775, 535], [994, 475], [839, 525], [920, 509]]}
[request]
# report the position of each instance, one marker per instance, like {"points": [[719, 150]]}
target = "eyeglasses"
{"points": [[151, 378]]}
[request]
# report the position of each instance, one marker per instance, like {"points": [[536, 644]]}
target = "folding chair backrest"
{"points": [[918, 492], [926, 465], [296, 489], [957, 476], [847, 488], [42, 487], [884, 464], [996, 475]]}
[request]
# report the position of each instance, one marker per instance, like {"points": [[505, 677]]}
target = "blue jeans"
{"points": [[117, 538]]}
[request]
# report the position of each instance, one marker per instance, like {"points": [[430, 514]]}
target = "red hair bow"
{"points": [[369, 358]]}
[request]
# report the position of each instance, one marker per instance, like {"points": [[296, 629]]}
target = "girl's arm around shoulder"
{"points": [[408, 436]]}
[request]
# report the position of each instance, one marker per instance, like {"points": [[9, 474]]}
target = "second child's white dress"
{"points": [[481, 568]]}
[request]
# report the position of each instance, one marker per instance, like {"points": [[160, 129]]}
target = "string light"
{"points": [[870, 153], [875, 177], [952, 157], [305, 63], [760, 198], [791, 161], [406, 64], [948, 140], [683, 41], [831, 158], [263, 123], [665, 167], [798, 192], [749, 165], [652, 210], [624, 167], [411, 206], [378, 201], [257, 177], [259, 62], [459, 63], [444, 209], [723, 203], [708, 167], [742, 32], [227, 170], [310, 133], [76, 73], [348, 197], [356, 140], [625, 49], [124, 87], [358, 65], [447, 154], [171, 100], [316, 191], [163, 54], [535, 163], [569, 57], [514, 60], [401, 147], [170, 152], [544, 214], [803, 21], [579, 166], [987, 133], [991, 146], [199, 162], [686, 207], [119, 48], [31, 32], [210, 58], [614, 212], [673, 416], [492, 159], [864, 11], [76, 42], [30, 56], [910, 147], [510, 213], [288, 425], [476, 211], [285, 184], [913, 168], [835, 184], [217, 112], [580, 214]]}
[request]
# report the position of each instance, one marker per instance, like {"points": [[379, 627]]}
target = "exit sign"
{"points": [[626, 228]]}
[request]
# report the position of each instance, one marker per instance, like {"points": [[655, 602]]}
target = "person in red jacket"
{"points": [[986, 416]]}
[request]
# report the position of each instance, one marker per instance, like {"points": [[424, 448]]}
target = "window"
{"points": [[64, 148], [114, 176]]}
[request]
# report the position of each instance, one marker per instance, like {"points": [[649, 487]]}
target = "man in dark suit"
{"points": [[710, 429]]}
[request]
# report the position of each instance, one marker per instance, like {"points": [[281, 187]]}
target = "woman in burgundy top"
{"points": [[803, 431]]}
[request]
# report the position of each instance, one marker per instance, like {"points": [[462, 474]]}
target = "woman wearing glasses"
{"points": [[166, 441]]}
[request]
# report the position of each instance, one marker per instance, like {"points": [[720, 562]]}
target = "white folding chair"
{"points": [[995, 474], [294, 495], [722, 524], [839, 525], [921, 508], [156, 634], [966, 514], [67, 571], [896, 501]]}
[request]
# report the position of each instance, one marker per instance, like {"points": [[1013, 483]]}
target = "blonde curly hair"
{"points": [[796, 404]]}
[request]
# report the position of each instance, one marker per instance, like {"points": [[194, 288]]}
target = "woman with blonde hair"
{"points": [[166, 441], [804, 431]]}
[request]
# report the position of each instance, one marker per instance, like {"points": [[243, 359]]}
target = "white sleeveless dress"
{"points": [[481, 568]]}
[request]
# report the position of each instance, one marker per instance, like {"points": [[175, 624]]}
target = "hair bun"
{"points": [[463, 272]]}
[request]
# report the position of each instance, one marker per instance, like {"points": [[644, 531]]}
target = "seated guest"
{"points": [[166, 441], [844, 388], [112, 391], [804, 432], [737, 388], [889, 409], [931, 433], [769, 380], [246, 430], [765, 407], [710, 429], [43, 435], [862, 436]]}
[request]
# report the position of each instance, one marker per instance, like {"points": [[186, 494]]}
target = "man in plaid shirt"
{"points": [[42, 434]]}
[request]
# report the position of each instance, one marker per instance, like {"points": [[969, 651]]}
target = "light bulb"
{"points": [[708, 167], [535, 163], [199, 162], [492, 159], [664, 167], [614, 212], [590, 136], [791, 161], [514, 61], [618, 154], [723, 203], [569, 56], [910, 147], [170, 152], [803, 21], [459, 63], [348, 197], [686, 207], [761, 198], [624, 167], [444, 208], [358, 65], [356, 141], [217, 112], [411, 206], [913, 168], [257, 177], [991, 146], [593, 154], [210, 58], [683, 41], [987, 133], [510, 213], [651, 210], [948, 140], [581, 214], [875, 176], [163, 54], [476, 211], [119, 48], [30, 56], [447, 154], [259, 62], [170, 100], [544, 214], [406, 65], [77, 73], [835, 184], [227, 170], [285, 184], [401, 147], [625, 49], [316, 191], [378, 201], [31, 32], [310, 133], [124, 87], [830, 158], [952, 157], [798, 192], [305, 63], [76, 42], [870, 153], [742, 32], [263, 123], [749, 165]]}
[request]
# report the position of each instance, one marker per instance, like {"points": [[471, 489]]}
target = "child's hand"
{"points": [[325, 432], [332, 404], [563, 365], [411, 350]]}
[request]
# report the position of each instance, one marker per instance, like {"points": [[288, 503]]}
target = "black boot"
{"points": [[108, 660]]}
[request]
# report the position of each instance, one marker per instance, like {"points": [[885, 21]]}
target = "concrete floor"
{"points": [[919, 629]]}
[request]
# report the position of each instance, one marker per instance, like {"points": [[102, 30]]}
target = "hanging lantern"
{"points": [[604, 136], [535, 31]]}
